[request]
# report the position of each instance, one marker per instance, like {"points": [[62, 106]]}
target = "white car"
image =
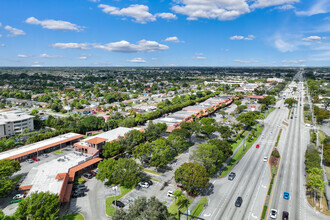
{"points": [[144, 184], [265, 159], [29, 161], [19, 196], [273, 213], [169, 193]]}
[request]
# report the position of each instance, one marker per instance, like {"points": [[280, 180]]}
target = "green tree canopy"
{"points": [[193, 177], [42, 205], [143, 208], [7, 169]]}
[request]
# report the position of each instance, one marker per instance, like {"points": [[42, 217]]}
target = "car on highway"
{"points": [[118, 204], [285, 215], [169, 193], [265, 159], [286, 195], [238, 202], [231, 176], [273, 213], [257, 146]]}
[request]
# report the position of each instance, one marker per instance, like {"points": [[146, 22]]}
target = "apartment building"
{"points": [[13, 122]]}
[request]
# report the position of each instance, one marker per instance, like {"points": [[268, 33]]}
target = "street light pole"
{"points": [[115, 189]]}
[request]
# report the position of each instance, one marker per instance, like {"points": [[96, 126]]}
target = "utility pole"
{"points": [[115, 189]]}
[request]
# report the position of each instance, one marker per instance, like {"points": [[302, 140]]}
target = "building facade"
{"points": [[13, 122]]}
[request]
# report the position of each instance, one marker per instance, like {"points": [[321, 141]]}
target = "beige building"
{"points": [[13, 122]]}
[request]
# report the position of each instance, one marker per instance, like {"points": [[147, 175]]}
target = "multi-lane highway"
{"points": [[252, 177], [253, 174]]}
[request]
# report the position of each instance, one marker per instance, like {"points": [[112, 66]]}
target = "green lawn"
{"points": [[240, 153], [72, 216], [269, 111], [58, 152], [234, 145], [173, 209], [109, 208], [199, 208], [151, 171]]}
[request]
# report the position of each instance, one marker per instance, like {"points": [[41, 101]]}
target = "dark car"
{"points": [[118, 204], [88, 175], [92, 173], [285, 215], [78, 194], [238, 202], [231, 176]]}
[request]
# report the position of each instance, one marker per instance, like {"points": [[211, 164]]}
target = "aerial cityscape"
{"points": [[165, 110]]}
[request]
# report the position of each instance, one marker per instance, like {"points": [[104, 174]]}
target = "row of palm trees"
{"points": [[315, 184]]}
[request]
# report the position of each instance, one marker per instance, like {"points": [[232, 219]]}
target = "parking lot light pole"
{"points": [[115, 189]]}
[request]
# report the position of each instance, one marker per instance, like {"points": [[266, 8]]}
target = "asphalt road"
{"points": [[252, 177], [291, 172]]}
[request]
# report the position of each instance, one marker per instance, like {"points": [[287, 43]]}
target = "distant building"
{"points": [[13, 122]]}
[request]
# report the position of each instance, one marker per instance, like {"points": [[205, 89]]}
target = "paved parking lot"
{"points": [[26, 167]]}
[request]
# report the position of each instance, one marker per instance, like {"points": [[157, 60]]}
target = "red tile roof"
{"points": [[96, 140]]}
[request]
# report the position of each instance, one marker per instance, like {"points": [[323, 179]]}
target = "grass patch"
{"points": [[264, 212], [269, 111], [72, 216], [58, 152], [235, 144], [109, 209], [155, 180], [321, 136], [199, 208], [240, 153], [151, 171], [173, 209], [278, 138]]}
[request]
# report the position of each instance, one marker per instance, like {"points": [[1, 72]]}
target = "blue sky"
{"points": [[165, 33]]}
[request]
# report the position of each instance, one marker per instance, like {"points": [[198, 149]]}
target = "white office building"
{"points": [[13, 122]]}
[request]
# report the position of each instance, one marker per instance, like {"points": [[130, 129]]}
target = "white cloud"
{"points": [[127, 47], [285, 7], [313, 38], [82, 46], [199, 58], [140, 13], [44, 55], [94, 0], [168, 16], [36, 65], [320, 7], [246, 61], [283, 45], [0, 35], [173, 39], [22, 56], [0, 24], [82, 58], [137, 60], [154, 59], [14, 31], [2, 45], [211, 9], [293, 61], [54, 24], [269, 3], [236, 37]]}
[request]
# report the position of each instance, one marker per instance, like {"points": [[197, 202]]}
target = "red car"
{"points": [[257, 146], [35, 159]]}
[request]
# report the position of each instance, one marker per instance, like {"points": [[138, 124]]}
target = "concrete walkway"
{"points": [[224, 165]]}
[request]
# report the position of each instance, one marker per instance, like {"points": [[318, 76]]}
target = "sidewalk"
{"points": [[231, 157]]}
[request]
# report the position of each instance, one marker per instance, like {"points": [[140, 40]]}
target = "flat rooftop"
{"points": [[13, 115], [43, 177], [36, 146]]}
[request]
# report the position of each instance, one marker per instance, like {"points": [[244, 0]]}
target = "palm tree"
{"points": [[180, 198]]}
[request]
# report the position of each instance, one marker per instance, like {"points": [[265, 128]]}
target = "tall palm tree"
{"points": [[180, 198]]}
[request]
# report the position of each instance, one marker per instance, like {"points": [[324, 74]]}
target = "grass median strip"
{"points": [[109, 208], [173, 209], [199, 208], [72, 216]]}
